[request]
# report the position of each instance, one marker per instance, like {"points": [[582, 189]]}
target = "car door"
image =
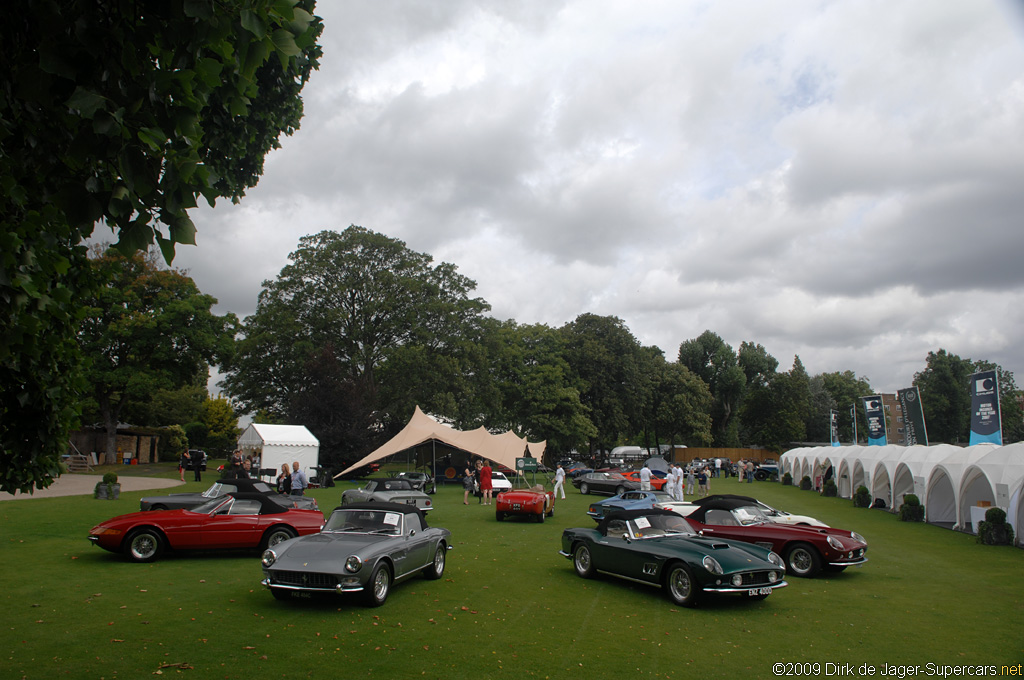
{"points": [[418, 544], [233, 525]]}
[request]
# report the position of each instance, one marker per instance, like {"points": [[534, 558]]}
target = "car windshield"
{"points": [[749, 514], [365, 522], [209, 506], [649, 526], [217, 490]]}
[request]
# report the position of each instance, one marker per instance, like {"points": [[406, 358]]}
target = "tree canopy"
{"points": [[126, 113], [146, 329]]}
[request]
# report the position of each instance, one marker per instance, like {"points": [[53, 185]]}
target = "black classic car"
{"points": [[222, 487], [363, 548], [613, 483]]}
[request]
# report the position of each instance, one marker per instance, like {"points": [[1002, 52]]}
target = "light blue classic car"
{"points": [[628, 500]]}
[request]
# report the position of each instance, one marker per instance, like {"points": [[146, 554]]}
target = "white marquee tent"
{"points": [[279, 444], [954, 483]]}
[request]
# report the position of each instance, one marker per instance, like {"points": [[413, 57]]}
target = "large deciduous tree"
{"points": [[608, 362], [945, 399], [125, 112], [715, 362], [146, 329], [846, 389], [347, 305]]}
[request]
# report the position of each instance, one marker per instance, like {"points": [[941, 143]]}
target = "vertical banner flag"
{"points": [[913, 416], [985, 422], [875, 415], [834, 427]]}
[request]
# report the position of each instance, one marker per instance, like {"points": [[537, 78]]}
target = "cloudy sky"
{"points": [[840, 180]]}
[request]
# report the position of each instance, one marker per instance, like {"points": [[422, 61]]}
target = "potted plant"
{"points": [[994, 530], [862, 497], [911, 510], [830, 489], [787, 479], [805, 483], [108, 489]]}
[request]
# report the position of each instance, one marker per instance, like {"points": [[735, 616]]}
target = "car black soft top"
{"points": [[403, 508], [268, 504]]}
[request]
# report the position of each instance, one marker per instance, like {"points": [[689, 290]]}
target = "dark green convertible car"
{"points": [[660, 548]]}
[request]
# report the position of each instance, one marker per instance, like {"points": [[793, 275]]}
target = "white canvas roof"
{"points": [[500, 448], [279, 444]]}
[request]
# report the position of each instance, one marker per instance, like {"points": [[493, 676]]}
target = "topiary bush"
{"points": [[805, 483], [911, 510], [862, 497], [787, 479], [830, 489], [994, 530]]}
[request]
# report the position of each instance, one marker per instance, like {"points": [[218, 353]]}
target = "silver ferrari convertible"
{"points": [[364, 548]]}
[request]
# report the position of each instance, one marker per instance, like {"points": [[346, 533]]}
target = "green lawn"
{"points": [[509, 606]]}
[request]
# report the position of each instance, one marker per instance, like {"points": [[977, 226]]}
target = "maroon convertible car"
{"points": [[806, 550]]}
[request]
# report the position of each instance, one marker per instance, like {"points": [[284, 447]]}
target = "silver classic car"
{"points": [[387, 491], [363, 548]]}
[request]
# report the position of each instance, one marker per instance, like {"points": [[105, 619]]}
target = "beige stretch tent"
{"points": [[421, 428]]}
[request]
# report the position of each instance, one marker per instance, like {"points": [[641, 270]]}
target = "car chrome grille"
{"points": [[755, 578], [304, 579]]}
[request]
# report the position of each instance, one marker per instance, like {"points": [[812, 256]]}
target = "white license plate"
{"points": [[517, 506], [754, 592]]}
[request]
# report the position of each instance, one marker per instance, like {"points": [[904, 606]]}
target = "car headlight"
{"points": [[712, 565], [737, 580], [835, 542], [857, 537], [774, 558], [773, 576], [269, 557], [353, 564]]}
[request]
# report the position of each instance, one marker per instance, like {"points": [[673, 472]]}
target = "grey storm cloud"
{"points": [[835, 180]]}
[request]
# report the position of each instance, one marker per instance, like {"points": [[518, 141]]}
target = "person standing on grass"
{"points": [[559, 481], [183, 462], [284, 480], [299, 481], [645, 478], [485, 482], [691, 481], [467, 483]]}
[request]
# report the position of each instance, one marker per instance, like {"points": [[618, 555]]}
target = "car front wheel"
{"points": [[803, 560], [582, 561], [681, 587], [436, 568], [379, 586], [144, 545], [584, 489]]}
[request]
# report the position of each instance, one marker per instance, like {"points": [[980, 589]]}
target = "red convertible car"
{"points": [[233, 521], [536, 503], [805, 549]]}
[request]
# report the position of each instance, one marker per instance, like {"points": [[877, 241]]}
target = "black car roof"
{"points": [[714, 498], [721, 503], [268, 505], [403, 508]]}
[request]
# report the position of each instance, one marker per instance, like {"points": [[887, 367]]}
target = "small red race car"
{"points": [[535, 502], [242, 520]]}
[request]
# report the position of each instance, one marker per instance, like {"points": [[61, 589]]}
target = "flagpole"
{"points": [[853, 413]]}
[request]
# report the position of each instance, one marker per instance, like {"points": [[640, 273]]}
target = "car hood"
{"points": [[330, 546]]}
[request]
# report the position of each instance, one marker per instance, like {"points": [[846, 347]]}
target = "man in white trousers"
{"points": [[559, 481], [645, 478], [678, 493]]}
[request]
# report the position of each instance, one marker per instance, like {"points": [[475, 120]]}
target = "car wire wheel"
{"points": [[584, 489], [582, 561], [144, 545], [803, 560], [682, 589]]}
